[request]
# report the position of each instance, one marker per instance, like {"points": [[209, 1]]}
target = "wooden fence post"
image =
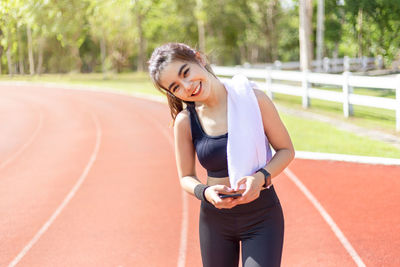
{"points": [[334, 64], [364, 63], [347, 107], [268, 83], [326, 64], [379, 62], [398, 103], [278, 64], [346, 63], [305, 86]]}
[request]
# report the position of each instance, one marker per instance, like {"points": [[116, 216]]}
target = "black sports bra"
{"points": [[211, 150]]}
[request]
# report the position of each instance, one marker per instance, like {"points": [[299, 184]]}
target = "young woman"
{"points": [[254, 219]]}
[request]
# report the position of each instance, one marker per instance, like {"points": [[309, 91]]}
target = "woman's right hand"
{"points": [[212, 195]]}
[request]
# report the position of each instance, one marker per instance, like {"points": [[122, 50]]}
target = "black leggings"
{"points": [[259, 225]]}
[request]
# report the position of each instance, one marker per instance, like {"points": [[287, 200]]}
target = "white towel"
{"points": [[248, 148]]}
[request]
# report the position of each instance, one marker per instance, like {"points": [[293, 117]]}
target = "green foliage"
{"points": [[379, 22], [70, 32]]}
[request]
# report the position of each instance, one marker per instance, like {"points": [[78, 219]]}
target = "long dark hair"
{"points": [[166, 54]]}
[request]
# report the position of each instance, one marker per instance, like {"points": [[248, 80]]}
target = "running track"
{"points": [[89, 179]]}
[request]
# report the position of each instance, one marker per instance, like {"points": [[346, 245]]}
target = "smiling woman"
{"points": [[248, 211], [185, 79], [186, 73]]}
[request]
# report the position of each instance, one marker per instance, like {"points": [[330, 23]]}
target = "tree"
{"points": [[377, 20], [266, 18], [320, 32], [305, 31], [141, 9]]}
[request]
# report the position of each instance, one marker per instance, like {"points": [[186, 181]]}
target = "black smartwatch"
{"points": [[267, 176]]}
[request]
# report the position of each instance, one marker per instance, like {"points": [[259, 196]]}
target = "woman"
{"points": [[255, 218]]}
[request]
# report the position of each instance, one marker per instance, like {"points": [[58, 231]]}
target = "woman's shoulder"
{"points": [[182, 120], [264, 102], [260, 94], [182, 129], [182, 115]]}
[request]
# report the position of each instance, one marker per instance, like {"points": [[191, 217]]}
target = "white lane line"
{"points": [[184, 231], [339, 234], [67, 198], [185, 208], [346, 158], [27, 143]]}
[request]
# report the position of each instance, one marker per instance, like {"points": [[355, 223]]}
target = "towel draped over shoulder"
{"points": [[248, 148]]}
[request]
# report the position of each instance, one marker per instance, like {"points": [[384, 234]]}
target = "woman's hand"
{"points": [[253, 185], [212, 195]]}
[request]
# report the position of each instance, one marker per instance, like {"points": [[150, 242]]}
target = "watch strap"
{"points": [[266, 176]]}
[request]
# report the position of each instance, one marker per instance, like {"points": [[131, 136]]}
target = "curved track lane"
{"points": [[129, 209]]}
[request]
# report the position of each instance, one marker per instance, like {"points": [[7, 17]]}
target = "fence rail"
{"points": [[328, 65], [272, 82]]}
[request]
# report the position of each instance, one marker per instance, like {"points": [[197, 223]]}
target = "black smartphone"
{"points": [[231, 195]]}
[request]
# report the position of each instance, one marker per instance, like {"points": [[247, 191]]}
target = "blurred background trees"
{"points": [[119, 35]]}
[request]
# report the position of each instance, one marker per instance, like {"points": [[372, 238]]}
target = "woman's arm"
{"points": [[185, 153], [277, 135]]}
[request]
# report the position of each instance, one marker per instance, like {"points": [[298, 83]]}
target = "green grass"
{"points": [[306, 134], [389, 93], [373, 118]]}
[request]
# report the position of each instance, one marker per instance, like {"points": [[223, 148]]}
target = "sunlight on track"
{"points": [[339, 234], [67, 198], [24, 146]]}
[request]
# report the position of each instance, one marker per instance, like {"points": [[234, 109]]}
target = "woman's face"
{"points": [[188, 81]]}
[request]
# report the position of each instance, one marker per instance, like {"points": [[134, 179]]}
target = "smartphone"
{"points": [[231, 195]]}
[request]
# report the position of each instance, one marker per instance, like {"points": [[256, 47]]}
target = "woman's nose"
{"points": [[187, 85]]}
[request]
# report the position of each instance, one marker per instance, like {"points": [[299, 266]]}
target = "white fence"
{"points": [[346, 81], [328, 64]]}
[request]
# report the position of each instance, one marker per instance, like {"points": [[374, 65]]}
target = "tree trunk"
{"points": [[268, 33], [75, 54], [242, 52], [254, 54], [271, 40], [9, 60], [272, 15], [30, 50], [141, 63], [360, 31], [103, 52], [200, 26], [20, 55], [1, 54], [305, 31], [40, 55], [202, 36], [320, 33]]}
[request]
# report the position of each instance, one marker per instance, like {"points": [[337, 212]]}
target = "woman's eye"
{"points": [[175, 88], [185, 72]]}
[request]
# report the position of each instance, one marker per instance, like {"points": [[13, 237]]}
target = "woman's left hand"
{"points": [[253, 185]]}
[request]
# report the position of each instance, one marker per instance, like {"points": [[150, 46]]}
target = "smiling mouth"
{"points": [[198, 90]]}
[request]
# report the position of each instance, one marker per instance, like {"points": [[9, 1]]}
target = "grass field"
{"points": [[306, 134]]}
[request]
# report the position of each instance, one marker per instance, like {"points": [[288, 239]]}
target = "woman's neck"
{"points": [[217, 97]]}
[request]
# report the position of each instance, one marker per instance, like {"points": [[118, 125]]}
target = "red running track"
{"points": [[89, 179]]}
